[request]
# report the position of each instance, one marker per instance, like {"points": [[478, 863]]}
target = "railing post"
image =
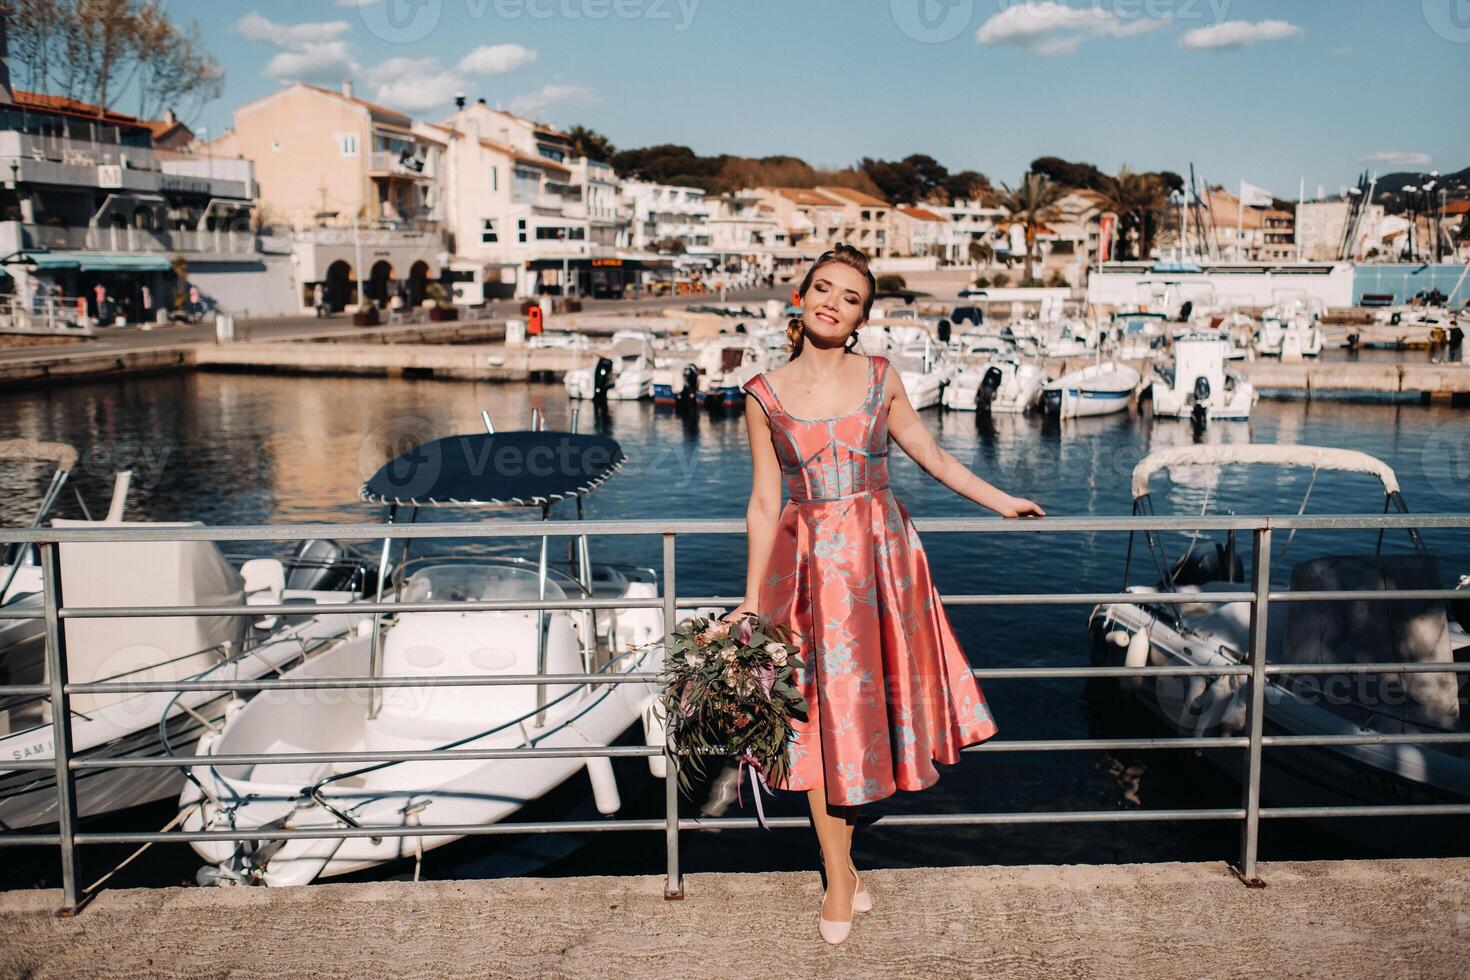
{"points": [[1256, 708], [674, 883], [66, 783]]}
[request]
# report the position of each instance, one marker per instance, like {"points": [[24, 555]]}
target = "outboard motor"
{"points": [[326, 566], [944, 327], [1217, 564], [1051, 402], [689, 394], [989, 385], [602, 379], [1200, 413]]}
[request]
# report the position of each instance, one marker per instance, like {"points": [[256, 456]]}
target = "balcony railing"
{"points": [[1253, 670], [389, 162], [130, 239]]}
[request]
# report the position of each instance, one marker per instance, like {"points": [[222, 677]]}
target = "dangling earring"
{"points": [[852, 342]]}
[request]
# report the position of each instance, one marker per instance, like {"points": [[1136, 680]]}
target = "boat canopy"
{"points": [[63, 455], [1266, 454], [522, 468]]}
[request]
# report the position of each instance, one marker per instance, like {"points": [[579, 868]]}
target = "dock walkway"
{"points": [[1343, 919]]}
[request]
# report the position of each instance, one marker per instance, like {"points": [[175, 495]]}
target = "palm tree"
{"points": [[1033, 202], [1141, 202]]}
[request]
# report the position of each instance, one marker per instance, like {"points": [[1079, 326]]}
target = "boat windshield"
{"points": [[462, 581]]}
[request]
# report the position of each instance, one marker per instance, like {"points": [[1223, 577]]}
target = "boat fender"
{"points": [[604, 785], [1216, 703], [1137, 656], [1119, 638], [655, 734]]}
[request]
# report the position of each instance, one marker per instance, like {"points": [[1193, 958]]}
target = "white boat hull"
{"points": [[459, 793]]}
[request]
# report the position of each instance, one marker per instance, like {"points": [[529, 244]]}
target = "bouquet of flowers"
{"points": [[728, 691]]}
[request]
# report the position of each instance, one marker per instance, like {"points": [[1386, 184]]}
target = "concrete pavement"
{"points": [[1341, 919]]}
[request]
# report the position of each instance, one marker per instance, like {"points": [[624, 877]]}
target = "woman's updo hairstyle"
{"points": [[840, 253]]}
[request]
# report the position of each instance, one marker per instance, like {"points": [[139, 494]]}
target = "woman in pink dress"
{"points": [[888, 688]]}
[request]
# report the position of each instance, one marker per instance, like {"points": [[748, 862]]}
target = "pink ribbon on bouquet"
{"points": [[757, 783]]}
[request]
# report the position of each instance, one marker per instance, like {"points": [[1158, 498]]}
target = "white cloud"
{"points": [[536, 103], [496, 59], [314, 51], [423, 83], [1234, 34], [328, 62], [260, 28], [1344, 52], [1049, 28], [414, 83], [357, 3], [1398, 158]]}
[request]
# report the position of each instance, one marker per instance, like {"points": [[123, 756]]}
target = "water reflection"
{"points": [[239, 449]]}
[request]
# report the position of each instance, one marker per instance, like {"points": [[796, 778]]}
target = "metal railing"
{"points": [[66, 765]]}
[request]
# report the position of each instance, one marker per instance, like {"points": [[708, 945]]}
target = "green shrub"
{"points": [[892, 284]]}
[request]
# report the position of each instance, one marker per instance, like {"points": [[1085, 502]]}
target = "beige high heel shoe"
{"points": [[861, 900], [836, 932]]}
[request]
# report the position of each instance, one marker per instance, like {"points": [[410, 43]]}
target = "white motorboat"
{"points": [[1136, 336], [139, 573], [1001, 384], [1291, 328], [1197, 386], [726, 362], [1068, 338], [1409, 327], [1097, 389], [625, 374], [921, 365], [974, 348], [1408, 631], [419, 646]]}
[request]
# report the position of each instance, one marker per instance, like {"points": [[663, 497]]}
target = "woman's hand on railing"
{"points": [[1021, 507]]}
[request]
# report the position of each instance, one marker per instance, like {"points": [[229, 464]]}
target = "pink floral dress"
{"points": [[888, 688]]}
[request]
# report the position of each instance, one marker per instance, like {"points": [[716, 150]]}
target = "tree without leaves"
{"points": [[98, 50]]}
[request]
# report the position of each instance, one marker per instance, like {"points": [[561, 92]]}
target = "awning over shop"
{"points": [[583, 262], [94, 261]]}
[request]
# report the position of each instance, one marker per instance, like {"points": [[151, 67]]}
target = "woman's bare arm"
{"points": [[764, 509], [914, 437]]}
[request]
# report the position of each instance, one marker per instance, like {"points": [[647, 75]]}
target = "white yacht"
{"points": [[1097, 389], [419, 646], [1291, 328], [1136, 336], [728, 361], [143, 573], [625, 374], [1198, 386], [1408, 631]]}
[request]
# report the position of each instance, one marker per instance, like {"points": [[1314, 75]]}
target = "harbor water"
{"points": [[234, 449]]}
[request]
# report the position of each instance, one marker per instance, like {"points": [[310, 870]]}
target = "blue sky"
{"points": [[1268, 91]]}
